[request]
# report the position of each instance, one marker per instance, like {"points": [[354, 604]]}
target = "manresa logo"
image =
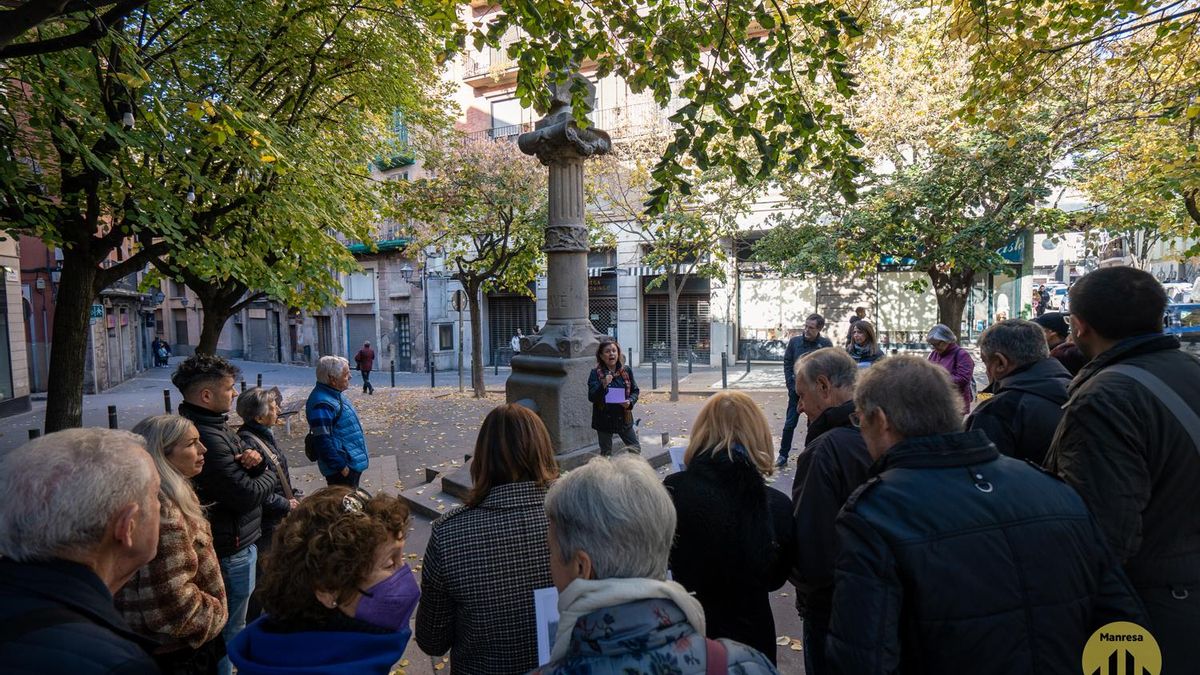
{"points": [[1122, 648]]}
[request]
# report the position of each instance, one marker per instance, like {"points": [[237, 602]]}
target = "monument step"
{"points": [[428, 501], [458, 482]]}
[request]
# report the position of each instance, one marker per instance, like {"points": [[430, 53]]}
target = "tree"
{"points": [[743, 70], [691, 236], [80, 23], [484, 204]]}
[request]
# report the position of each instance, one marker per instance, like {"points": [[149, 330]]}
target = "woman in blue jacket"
{"points": [[613, 392]]}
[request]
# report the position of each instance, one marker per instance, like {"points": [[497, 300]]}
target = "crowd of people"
{"points": [[918, 539]]}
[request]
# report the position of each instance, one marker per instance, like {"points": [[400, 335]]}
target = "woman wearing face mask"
{"points": [[613, 392], [337, 594]]}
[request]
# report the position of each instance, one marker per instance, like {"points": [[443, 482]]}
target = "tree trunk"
{"points": [[214, 314], [68, 349], [673, 289], [952, 290], [472, 292]]}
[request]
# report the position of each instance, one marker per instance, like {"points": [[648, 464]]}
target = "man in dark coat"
{"points": [[1057, 332], [834, 462], [953, 558], [233, 483], [80, 516], [809, 341], [365, 360], [1028, 390], [1132, 455]]}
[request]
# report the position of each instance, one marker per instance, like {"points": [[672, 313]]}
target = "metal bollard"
{"points": [[167, 401], [243, 386], [495, 362], [259, 385], [747, 364], [432, 376], [689, 362], [34, 433], [393, 362], [630, 363], [112, 417], [654, 373], [724, 370], [666, 439]]}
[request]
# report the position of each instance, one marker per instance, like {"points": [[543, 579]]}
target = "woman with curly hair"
{"points": [[178, 599], [337, 594]]}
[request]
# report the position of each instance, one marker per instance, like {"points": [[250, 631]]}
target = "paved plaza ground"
{"points": [[412, 429]]}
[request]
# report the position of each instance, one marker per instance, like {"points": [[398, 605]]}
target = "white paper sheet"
{"points": [[677, 457], [545, 607]]}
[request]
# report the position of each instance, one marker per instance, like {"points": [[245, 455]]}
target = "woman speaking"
{"points": [[613, 392]]}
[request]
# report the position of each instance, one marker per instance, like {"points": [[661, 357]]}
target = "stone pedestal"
{"points": [[550, 374]]}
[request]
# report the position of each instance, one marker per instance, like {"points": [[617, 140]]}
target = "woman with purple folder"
{"points": [[613, 392]]}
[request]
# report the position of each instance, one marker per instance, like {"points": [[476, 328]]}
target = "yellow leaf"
{"points": [[1012, 141], [1192, 111], [267, 158], [439, 666]]}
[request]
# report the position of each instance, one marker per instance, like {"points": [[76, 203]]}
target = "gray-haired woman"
{"points": [[178, 598], [611, 527], [259, 410]]}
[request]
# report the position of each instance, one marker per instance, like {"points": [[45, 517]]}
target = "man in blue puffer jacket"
{"points": [[956, 559], [338, 434]]}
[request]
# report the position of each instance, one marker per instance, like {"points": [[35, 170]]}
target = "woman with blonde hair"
{"points": [[178, 599], [485, 558], [733, 542]]}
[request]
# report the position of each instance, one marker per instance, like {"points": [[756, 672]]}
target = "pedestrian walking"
{"points": [[956, 360], [1057, 333], [613, 393], [259, 410], [515, 342], [80, 518], [617, 611], [485, 558], [1128, 443], [723, 503], [1027, 387], [335, 431], [338, 593], [863, 347], [809, 341], [956, 559], [834, 463], [364, 360], [1043, 300], [178, 599], [232, 484]]}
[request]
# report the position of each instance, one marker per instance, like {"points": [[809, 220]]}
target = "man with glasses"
{"points": [[834, 462], [953, 557], [809, 341]]}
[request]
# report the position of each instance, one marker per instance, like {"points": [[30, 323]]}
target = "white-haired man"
{"points": [[80, 516], [334, 427]]}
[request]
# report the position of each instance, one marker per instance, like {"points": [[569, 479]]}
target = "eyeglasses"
{"points": [[856, 419]]}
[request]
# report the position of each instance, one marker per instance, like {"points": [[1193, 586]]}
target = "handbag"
{"points": [[310, 439]]}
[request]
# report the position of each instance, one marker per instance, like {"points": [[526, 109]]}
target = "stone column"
{"points": [[550, 374]]}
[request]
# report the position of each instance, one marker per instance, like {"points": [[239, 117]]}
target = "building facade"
{"points": [[14, 357]]}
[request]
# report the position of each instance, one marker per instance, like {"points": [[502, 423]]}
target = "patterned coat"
{"points": [[178, 598], [646, 636], [480, 570]]}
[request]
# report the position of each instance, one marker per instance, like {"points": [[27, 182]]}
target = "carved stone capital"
{"points": [[566, 341], [557, 137], [566, 238]]}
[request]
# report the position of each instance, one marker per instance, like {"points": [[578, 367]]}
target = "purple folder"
{"points": [[615, 395]]}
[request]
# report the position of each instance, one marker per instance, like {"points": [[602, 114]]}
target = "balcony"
{"points": [[384, 241], [620, 122]]}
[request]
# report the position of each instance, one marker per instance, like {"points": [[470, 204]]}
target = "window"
{"points": [[360, 286], [445, 337]]}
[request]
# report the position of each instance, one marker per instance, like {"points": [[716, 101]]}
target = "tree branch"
{"points": [[97, 28]]}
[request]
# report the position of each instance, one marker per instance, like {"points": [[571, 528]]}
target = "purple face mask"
{"points": [[390, 603]]}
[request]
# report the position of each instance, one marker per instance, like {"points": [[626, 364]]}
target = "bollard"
{"points": [[432, 376], [259, 385], [112, 417], [393, 373], [666, 439], [747, 363], [654, 373], [167, 401], [724, 369], [690, 353], [495, 362], [630, 359], [243, 386], [34, 433]]}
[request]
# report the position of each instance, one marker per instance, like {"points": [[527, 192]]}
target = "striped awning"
{"points": [[601, 271], [655, 270]]}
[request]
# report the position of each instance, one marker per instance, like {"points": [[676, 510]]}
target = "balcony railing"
{"points": [[619, 122]]}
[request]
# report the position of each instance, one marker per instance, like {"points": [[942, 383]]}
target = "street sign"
{"points": [[458, 301], [97, 311]]}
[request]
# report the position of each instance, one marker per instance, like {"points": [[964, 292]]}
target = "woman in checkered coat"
{"points": [[485, 558], [178, 599]]}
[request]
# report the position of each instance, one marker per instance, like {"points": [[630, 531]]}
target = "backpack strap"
{"points": [[16, 627], [716, 660], [1165, 395]]}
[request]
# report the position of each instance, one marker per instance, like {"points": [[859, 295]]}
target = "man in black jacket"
{"points": [[809, 341], [956, 559], [834, 462], [1131, 455], [80, 516], [1028, 389], [1058, 332], [233, 483]]}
